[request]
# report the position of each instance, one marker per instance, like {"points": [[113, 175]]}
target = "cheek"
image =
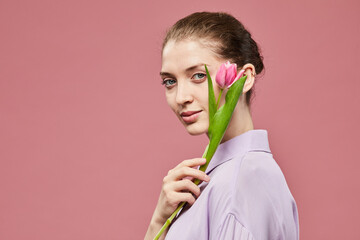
{"points": [[170, 98], [216, 87], [204, 97]]}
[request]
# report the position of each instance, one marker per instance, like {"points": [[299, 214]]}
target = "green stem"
{"points": [[171, 218], [218, 100]]}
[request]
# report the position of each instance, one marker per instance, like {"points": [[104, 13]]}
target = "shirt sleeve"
{"points": [[233, 229]]}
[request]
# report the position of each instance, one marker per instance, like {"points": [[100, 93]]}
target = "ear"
{"points": [[250, 73]]}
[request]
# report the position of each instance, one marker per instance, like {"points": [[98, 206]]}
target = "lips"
{"points": [[190, 116], [188, 113]]}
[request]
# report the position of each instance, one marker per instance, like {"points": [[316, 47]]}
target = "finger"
{"points": [[188, 186], [181, 173], [184, 197], [191, 163]]}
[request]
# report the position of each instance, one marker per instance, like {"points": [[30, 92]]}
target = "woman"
{"points": [[244, 194]]}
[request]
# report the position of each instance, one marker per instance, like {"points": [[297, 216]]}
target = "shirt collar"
{"points": [[250, 141]]}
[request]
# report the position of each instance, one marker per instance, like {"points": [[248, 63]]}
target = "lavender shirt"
{"points": [[246, 198]]}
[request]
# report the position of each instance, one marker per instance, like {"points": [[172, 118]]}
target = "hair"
{"points": [[224, 34]]}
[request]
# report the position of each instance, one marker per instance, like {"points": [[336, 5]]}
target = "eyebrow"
{"points": [[186, 70]]}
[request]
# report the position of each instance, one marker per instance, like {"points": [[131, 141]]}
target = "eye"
{"points": [[199, 76], [168, 82]]}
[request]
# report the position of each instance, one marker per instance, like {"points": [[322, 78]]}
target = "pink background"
{"points": [[86, 135]]}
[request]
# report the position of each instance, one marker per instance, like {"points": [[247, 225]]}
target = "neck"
{"points": [[240, 122]]}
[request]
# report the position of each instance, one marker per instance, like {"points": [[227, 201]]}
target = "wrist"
{"points": [[153, 229], [157, 219]]}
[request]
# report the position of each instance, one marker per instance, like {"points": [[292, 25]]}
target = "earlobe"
{"points": [[250, 73]]}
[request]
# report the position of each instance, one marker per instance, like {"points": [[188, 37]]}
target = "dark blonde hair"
{"points": [[224, 34]]}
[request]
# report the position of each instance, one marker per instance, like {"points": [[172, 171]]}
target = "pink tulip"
{"points": [[226, 75]]}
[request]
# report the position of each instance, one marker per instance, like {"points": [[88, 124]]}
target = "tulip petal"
{"points": [[220, 76], [238, 76], [227, 64], [230, 75]]}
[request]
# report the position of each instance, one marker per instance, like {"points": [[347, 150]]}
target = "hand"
{"points": [[177, 187]]}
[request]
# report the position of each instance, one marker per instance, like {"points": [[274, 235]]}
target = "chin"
{"points": [[196, 129]]}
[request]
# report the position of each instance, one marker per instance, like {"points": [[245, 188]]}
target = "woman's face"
{"points": [[184, 77]]}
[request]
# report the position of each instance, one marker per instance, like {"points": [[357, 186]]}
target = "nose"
{"points": [[183, 94]]}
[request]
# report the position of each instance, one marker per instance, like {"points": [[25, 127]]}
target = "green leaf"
{"points": [[212, 100], [221, 119]]}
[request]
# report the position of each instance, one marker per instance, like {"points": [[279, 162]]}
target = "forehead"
{"points": [[179, 55]]}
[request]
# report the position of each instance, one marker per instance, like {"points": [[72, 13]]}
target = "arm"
{"points": [[154, 227], [176, 188], [231, 228]]}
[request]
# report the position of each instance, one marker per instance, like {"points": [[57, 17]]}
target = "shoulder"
{"points": [[260, 173], [257, 196], [252, 173], [252, 179], [261, 184]]}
